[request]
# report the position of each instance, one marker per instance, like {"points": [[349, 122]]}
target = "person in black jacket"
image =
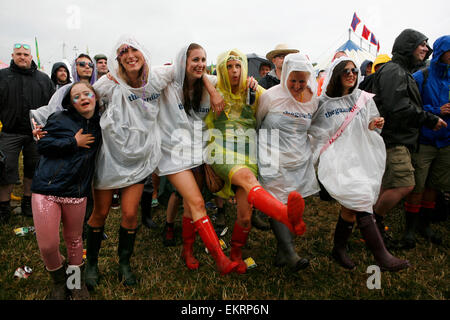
{"points": [[60, 75], [399, 102], [22, 88], [62, 182]]}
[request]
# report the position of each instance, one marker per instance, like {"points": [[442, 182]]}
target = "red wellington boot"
{"points": [[206, 231], [290, 215], [238, 240], [188, 234]]}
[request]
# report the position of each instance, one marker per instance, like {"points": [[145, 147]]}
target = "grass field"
{"points": [[163, 274]]}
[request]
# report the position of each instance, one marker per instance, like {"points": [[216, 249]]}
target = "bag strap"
{"points": [[362, 100]]}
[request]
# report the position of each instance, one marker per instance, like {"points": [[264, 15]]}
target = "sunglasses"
{"points": [[87, 94], [20, 45], [124, 50], [347, 72], [83, 64]]}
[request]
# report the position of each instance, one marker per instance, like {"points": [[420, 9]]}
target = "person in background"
{"points": [[60, 75], [276, 56], [101, 62], [367, 83], [22, 88], [431, 162], [264, 68], [366, 69]]}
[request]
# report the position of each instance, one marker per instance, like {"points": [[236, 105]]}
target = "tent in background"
{"points": [[254, 60], [352, 50]]}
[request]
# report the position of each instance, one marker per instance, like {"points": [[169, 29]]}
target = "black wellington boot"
{"points": [[424, 226], [146, 211], [93, 243], [341, 235], [127, 238], [409, 237], [286, 254], [26, 206], [59, 289], [5, 212]]}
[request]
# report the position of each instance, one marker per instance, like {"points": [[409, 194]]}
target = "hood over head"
{"points": [[298, 62], [55, 68], [75, 76]]}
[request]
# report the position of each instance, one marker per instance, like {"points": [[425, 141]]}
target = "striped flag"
{"points": [[373, 40], [355, 22]]}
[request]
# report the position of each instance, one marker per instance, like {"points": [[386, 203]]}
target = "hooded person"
{"points": [[55, 70], [290, 116], [432, 160], [399, 102], [232, 154], [180, 119], [130, 149], [352, 158]]}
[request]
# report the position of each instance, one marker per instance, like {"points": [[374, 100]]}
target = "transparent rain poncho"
{"points": [[232, 134], [285, 164], [352, 167], [131, 147], [182, 143]]}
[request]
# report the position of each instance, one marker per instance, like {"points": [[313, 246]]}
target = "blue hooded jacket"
{"points": [[436, 93]]}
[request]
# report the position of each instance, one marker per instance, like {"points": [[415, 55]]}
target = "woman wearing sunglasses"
{"points": [[351, 157], [62, 182]]}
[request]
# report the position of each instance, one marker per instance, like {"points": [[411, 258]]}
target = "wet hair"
{"points": [[67, 101], [335, 88], [194, 103]]}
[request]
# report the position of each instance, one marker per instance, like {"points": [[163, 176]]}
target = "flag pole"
{"points": [[37, 53]]}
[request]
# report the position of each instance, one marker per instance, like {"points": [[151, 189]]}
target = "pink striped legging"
{"points": [[48, 211]]}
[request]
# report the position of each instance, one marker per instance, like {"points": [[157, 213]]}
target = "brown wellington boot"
{"points": [[82, 293], [374, 241]]}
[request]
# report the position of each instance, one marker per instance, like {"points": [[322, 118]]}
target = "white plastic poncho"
{"points": [[40, 115], [352, 167], [182, 143], [280, 111], [131, 137]]}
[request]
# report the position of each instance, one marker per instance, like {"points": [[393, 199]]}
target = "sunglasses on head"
{"points": [[84, 63], [20, 45], [348, 71], [124, 50]]}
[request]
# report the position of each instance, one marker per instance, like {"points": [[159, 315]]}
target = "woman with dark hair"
{"points": [[62, 182], [184, 104], [232, 154], [351, 160]]}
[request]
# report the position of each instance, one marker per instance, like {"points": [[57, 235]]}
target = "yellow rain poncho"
{"points": [[232, 135]]}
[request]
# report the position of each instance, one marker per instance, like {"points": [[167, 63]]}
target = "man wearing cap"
{"points": [[277, 57], [22, 88], [102, 64]]}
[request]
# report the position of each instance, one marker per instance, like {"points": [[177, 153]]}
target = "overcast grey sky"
{"points": [[163, 26]]}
